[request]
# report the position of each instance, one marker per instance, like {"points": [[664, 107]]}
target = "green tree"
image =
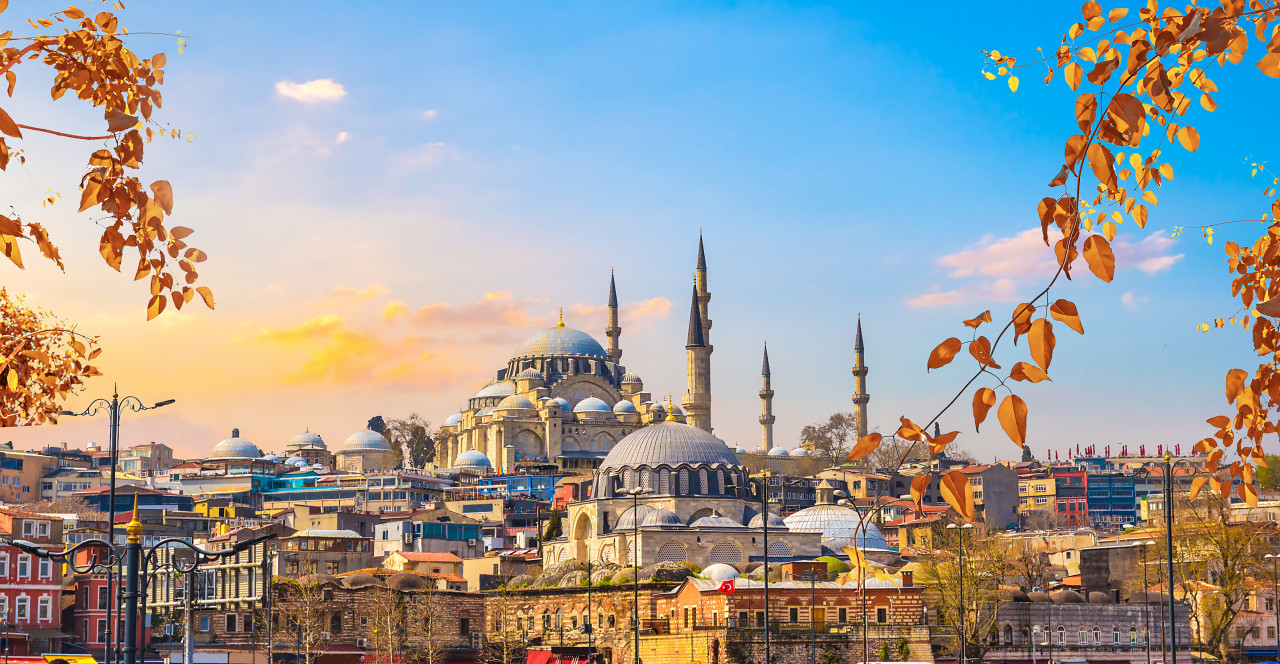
{"points": [[554, 528], [1269, 475]]}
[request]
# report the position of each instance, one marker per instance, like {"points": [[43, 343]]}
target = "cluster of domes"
{"points": [[668, 444], [237, 448], [560, 341]]}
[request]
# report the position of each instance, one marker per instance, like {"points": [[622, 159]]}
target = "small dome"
{"points": [[839, 525], [1067, 597], [630, 378], [592, 405], [739, 450], [715, 521], [1099, 597], [497, 389], [657, 407], [1141, 597], [1013, 596], [775, 521], [624, 407], [558, 402], [720, 572], [530, 374], [296, 461], [1038, 596], [306, 438], [662, 517], [628, 519], [365, 439], [515, 402], [235, 447], [360, 580], [472, 459], [800, 452], [453, 420], [407, 581], [560, 341], [779, 452], [271, 457]]}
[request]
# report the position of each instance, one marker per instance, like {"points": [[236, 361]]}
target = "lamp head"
{"points": [[967, 526], [951, 526], [162, 404]]}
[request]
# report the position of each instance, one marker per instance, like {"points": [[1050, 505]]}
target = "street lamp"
{"points": [[635, 562], [1274, 596], [113, 408], [963, 637], [1146, 601], [812, 576]]}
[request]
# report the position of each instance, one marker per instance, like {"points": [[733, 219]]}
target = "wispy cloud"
{"points": [[430, 114], [367, 293], [343, 137], [312, 92], [993, 269], [425, 156]]}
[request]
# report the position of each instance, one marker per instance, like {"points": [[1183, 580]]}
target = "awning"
{"points": [[48, 634], [539, 657]]}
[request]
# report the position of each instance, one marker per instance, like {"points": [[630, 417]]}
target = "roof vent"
{"points": [[235, 433]]}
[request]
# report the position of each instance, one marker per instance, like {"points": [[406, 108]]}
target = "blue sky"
{"points": [[833, 156]]}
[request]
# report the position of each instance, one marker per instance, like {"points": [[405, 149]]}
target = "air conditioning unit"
{"points": [[408, 538], [471, 542], [360, 642]]}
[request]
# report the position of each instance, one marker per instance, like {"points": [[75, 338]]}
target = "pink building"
{"points": [[30, 587]]}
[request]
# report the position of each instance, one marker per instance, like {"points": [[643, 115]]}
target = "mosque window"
{"points": [[646, 479], [725, 552], [628, 481], [673, 552], [684, 481], [607, 553], [779, 550], [719, 481], [631, 553], [664, 481], [702, 481]]}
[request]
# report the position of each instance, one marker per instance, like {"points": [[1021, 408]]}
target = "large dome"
{"points": [[366, 439], [307, 438], [671, 444], [560, 341], [840, 527], [496, 389], [235, 447], [472, 459]]}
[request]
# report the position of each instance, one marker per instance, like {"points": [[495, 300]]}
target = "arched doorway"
{"points": [[581, 534]]}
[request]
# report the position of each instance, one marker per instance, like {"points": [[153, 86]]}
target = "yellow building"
{"points": [[1037, 493]]}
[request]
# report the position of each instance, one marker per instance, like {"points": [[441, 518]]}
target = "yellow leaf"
{"points": [[865, 446], [944, 353], [919, 484], [1109, 230], [955, 490], [1208, 103], [1065, 311], [1073, 73], [1098, 255], [1150, 197], [1042, 341], [989, 75], [1116, 14], [1013, 83], [1166, 171], [1189, 138], [1013, 419], [1196, 485], [1028, 372]]}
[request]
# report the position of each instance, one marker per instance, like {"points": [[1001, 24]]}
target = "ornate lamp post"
{"points": [[1275, 597], [635, 561], [963, 637]]}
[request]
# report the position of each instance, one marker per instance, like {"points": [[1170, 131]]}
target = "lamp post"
{"points": [[813, 622], [963, 638], [1146, 602], [113, 408], [586, 624], [1169, 466], [1275, 597], [635, 562]]}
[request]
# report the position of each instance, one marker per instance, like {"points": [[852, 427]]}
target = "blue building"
{"points": [[99, 498], [1112, 499]]}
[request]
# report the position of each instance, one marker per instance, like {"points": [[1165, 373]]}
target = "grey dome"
{"points": [[800, 452], [406, 581], [627, 521], [630, 378], [360, 580], [720, 572], [1099, 597], [1038, 596], [453, 420], [592, 406], [839, 525], [307, 438], [472, 459], [296, 461], [560, 341], [1067, 597], [496, 389], [530, 374], [662, 517], [715, 521], [775, 521], [739, 450], [515, 402], [365, 439], [235, 447], [271, 457], [668, 443], [558, 402], [1013, 596], [624, 407], [779, 452]]}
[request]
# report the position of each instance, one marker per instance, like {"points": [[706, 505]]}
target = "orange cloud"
{"points": [[368, 293], [316, 328]]}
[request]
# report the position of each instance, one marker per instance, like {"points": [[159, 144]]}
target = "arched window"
{"points": [[1115, 635], [1008, 635], [628, 479], [557, 624], [702, 482], [664, 481], [546, 619], [646, 481], [779, 549], [607, 553], [1084, 635], [1062, 634], [672, 552], [725, 552], [684, 481], [1133, 634], [720, 481], [1097, 634]]}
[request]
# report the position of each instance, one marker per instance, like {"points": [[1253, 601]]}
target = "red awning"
{"points": [[539, 657]]}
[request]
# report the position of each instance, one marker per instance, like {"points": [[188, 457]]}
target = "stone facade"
{"points": [[1096, 631]]}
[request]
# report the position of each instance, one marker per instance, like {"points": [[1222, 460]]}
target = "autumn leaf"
{"points": [[940, 443], [984, 317], [8, 126], [919, 484], [1098, 255], [1073, 73], [980, 349], [1235, 384], [1270, 64], [944, 353], [1013, 419], [1027, 371], [865, 446], [1022, 319], [1041, 341], [1189, 138], [983, 400], [1065, 311], [955, 490], [908, 430], [1196, 485]]}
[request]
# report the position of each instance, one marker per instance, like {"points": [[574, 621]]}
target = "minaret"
{"points": [[860, 396], [766, 405], [613, 331], [697, 401], [704, 297]]}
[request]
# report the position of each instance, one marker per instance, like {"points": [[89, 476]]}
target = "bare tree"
{"points": [[504, 634], [303, 609], [413, 438], [428, 621], [831, 439], [386, 627], [985, 564]]}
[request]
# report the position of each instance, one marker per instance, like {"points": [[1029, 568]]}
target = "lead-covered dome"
{"points": [[472, 459], [453, 420], [498, 388], [840, 527], [662, 517], [558, 402], [671, 444], [592, 406], [366, 439], [720, 572], [306, 438], [624, 407], [560, 341], [515, 402], [235, 447], [775, 521], [779, 452]]}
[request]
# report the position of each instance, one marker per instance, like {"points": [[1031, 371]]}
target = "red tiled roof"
{"points": [[122, 489], [454, 578], [429, 557]]}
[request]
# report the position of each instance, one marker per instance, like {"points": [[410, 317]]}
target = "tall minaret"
{"points": [[613, 331], [766, 405], [704, 297], [860, 396], [697, 401]]}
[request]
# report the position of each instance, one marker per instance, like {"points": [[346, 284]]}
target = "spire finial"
{"points": [[671, 412], [561, 323], [134, 527], [765, 370]]}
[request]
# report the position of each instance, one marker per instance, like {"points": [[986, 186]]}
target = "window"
{"points": [[335, 623], [1062, 634], [102, 631], [1115, 635], [24, 607], [232, 623], [793, 615], [42, 528], [759, 618], [464, 626], [1271, 632], [1133, 635], [46, 568], [44, 608], [205, 623], [28, 528], [844, 615], [882, 615], [4, 564], [24, 566], [1271, 604], [1041, 500]]}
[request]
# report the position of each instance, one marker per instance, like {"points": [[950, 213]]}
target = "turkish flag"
{"points": [[725, 587]]}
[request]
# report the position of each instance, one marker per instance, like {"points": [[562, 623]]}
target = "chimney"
{"points": [[64, 444], [907, 578]]}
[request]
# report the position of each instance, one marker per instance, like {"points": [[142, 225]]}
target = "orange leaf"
{"points": [[1101, 260], [1189, 138], [980, 349], [164, 196], [919, 484], [940, 443], [1250, 494], [1013, 419], [1065, 311], [944, 353], [955, 490], [1091, 10], [1022, 320], [1073, 73], [206, 295], [156, 306], [1235, 384], [1042, 342], [1026, 371], [1218, 421], [865, 446], [983, 400], [1196, 485], [8, 126], [909, 431], [1270, 64], [984, 317], [1103, 164]]}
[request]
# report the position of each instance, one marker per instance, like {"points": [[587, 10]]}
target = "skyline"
{"points": [[390, 223]]}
